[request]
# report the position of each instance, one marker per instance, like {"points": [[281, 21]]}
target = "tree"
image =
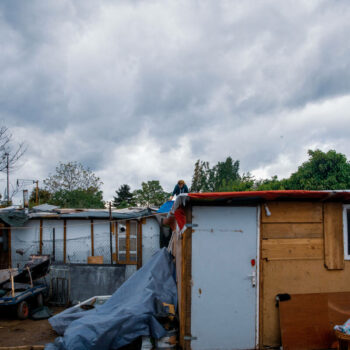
{"points": [[222, 177], [271, 184], [225, 173], [323, 171], [8, 150], [74, 186], [200, 177], [78, 199], [124, 198], [150, 194], [72, 176], [44, 197]]}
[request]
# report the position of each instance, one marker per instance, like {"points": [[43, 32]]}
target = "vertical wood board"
{"points": [[92, 237], [186, 264], [64, 240], [139, 244], [333, 236], [9, 238], [127, 241]]}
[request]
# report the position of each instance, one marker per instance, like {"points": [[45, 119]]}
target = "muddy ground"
{"points": [[14, 332]]}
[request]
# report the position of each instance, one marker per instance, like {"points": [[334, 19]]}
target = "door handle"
{"points": [[253, 278]]}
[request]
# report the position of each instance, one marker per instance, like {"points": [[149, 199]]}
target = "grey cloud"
{"points": [[222, 73]]}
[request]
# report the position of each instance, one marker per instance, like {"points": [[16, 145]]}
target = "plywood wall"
{"points": [[296, 241]]}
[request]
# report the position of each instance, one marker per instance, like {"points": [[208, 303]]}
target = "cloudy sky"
{"points": [[139, 90]]}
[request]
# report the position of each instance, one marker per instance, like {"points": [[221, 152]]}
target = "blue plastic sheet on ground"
{"points": [[128, 314]]}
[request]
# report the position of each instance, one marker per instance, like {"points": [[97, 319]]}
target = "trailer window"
{"points": [[346, 229]]}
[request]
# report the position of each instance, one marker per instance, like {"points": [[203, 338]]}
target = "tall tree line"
{"points": [[322, 171]]}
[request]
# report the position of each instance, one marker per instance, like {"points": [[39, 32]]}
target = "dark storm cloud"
{"points": [[93, 81]]}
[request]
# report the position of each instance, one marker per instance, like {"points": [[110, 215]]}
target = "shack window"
{"points": [[346, 230], [127, 242]]}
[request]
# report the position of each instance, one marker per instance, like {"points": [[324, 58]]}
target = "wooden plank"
{"points": [[116, 243], [300, 329], [333, 236], [292, 212], [95, 259], [185, 317], [92, 237], [292, 230], [292, 248], [139, 244], [41, 237], [23, 347], [64, 240], [9, 245], [127, 242]]}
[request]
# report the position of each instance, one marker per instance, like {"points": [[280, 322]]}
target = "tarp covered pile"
{"points": [[128, 314]]}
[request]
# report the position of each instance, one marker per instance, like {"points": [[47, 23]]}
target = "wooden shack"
{"points": [[235, 252]]}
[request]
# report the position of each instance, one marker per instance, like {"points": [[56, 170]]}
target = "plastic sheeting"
{"points": [[14, 217], [128, 314]]}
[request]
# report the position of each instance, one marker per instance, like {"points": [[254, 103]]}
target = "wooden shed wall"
{"points": [[301, 252]]}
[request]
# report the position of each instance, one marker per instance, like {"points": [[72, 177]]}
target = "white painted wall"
{"points": [[27, 239], [101, 240], [48, 226], [78, 240], [150, 239]]}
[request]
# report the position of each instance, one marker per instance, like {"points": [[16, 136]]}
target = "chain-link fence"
{"points": [[70, 241]]}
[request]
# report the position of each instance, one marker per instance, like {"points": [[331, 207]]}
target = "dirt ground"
{"points": [[14, 332]]}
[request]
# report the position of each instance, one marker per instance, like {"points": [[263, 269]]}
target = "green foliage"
{"points": [[44, 197], [225, 173], [74, 186], [224, 176], [271, 184], [201, 175], [124, 198], [78, 199], [150, 194], [323, 171]]}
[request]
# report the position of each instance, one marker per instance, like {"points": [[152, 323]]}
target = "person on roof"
{"points": [[179, 188]]}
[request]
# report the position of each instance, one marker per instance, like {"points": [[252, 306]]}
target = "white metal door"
{"points": [[224, 268]]}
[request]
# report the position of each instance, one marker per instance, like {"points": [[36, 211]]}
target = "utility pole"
{"points": [[37, 192], [8, 177]]}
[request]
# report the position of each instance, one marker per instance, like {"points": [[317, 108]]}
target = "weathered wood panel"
{"points": [[97, 259], [333, 236], [300, 329], [186, 286], [291, 249], [293, 212], [295, 277], [290, 230]]}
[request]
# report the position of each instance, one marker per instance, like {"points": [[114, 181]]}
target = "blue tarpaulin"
{"points": [[128, 314], [166, 207]]}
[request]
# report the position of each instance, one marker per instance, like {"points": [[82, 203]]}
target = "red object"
{"points": [[272, 195], [180, 217], [252, 262]]}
